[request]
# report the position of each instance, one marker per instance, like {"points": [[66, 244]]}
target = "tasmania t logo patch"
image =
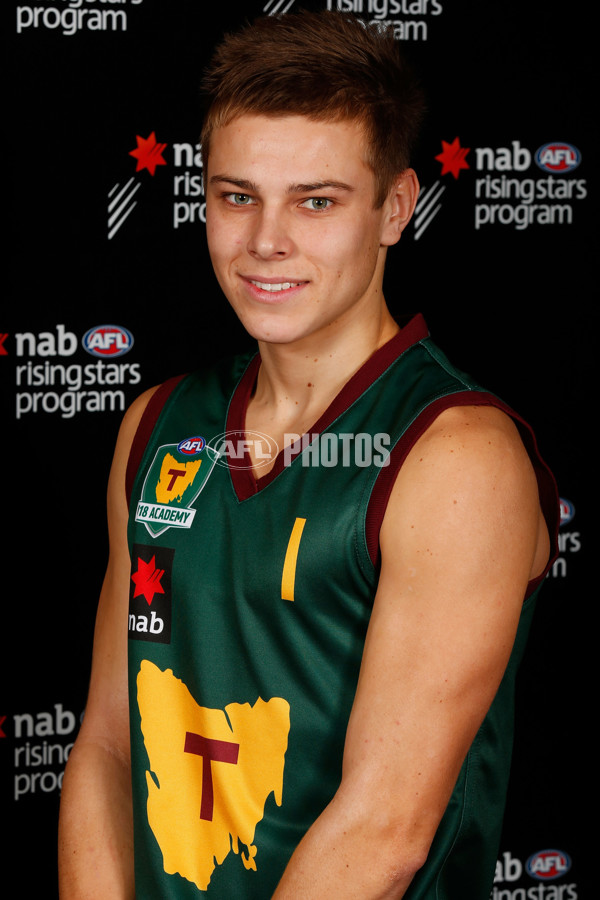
{"points": [[150, 594], [172, 483], [211, 772]]}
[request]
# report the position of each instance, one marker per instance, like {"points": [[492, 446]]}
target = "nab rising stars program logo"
{"points": [[510, 185]]}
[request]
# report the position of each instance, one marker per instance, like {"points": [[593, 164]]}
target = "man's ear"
{"points": [[400, 205]]}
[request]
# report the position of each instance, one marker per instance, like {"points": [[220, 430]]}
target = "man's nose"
{"points": [[270, 236]]}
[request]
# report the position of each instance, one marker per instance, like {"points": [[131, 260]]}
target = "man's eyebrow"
{"points": [[319, 186], [245, 185], [241, 183]]}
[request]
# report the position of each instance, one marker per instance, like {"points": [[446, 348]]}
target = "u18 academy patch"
{"points": [[172, 484]]}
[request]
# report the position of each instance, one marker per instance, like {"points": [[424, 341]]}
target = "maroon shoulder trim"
{"points": [[244, 482], [385, 481], [414, 331], [145, 429]]}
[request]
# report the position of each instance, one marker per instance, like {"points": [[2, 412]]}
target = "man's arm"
{"points": [[462, 536], [95, 823]]}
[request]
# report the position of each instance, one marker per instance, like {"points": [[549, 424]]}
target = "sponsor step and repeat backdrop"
{"points": [[111, 291]]}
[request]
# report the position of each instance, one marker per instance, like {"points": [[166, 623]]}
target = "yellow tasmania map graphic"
{"points": [[212, 771], [175, 477]]}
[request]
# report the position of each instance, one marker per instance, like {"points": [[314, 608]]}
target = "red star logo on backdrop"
{"points": [[147, 580], [148, 153], [453, 157]]}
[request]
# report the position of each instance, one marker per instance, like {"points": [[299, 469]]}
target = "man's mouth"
{"points": [[273, 288]]}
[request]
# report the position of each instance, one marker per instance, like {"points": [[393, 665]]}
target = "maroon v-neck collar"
{"points": [[244, 482]]}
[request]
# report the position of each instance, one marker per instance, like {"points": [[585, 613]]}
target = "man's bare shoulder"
{"points": [[130, 422], [468, 479], [470, 446], [472, 429]]}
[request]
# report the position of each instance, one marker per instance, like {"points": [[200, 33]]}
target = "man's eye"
{"points": [[317, 203], [239, 199]]}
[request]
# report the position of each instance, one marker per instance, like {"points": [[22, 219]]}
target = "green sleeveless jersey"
{"points": [[249, 603]]}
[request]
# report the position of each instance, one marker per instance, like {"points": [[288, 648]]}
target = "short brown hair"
{"points": [[324, 65]]}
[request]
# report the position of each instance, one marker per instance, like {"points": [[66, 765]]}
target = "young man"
{"points": [[321, 656]]}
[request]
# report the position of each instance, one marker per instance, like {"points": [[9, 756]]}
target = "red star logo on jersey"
{"points": [[147, 580], [453, 157], [148, 153]]}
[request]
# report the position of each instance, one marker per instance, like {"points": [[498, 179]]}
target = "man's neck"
{"points": [[297, 382]]}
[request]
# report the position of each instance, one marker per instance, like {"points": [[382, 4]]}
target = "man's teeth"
{"points": [[284, 286]]}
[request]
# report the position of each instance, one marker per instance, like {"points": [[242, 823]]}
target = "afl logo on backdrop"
{"points": [[548, 865], [567, 511], [107, 341], [558, 158]]}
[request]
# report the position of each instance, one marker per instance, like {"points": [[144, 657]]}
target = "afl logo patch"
{"points": [[191, 446]]}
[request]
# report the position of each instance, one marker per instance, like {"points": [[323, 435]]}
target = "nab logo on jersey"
{"points": [[107, 341], [546, 865], [150, 594]]}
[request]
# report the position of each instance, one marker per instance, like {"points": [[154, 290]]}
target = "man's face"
{"points": [[296, 244]]}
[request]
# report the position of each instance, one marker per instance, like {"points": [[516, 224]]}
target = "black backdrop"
{"points": [[498, 260]]}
